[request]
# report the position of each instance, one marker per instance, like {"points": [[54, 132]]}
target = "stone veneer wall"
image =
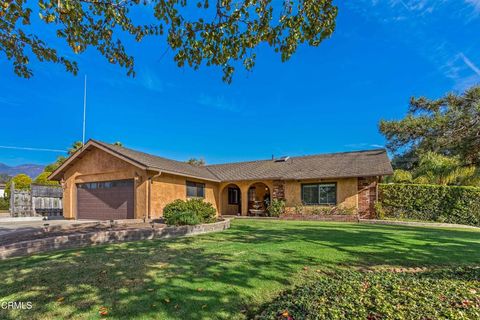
{"points": [[76, 240], [367, 195], [278, 191]]}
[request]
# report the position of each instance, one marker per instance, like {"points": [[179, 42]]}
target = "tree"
{"points": [[118, 143], [21, 181], [400, 176], [75, 146], [449, 126], [196, 162], [438, 169], [198, 32], [53, 166], [4, 178], [42, 179]]}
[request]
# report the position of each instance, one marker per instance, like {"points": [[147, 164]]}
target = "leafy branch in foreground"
{"points": [[199, 33]]}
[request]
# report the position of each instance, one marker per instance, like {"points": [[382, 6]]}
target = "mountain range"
{"points": [[31, 170]]}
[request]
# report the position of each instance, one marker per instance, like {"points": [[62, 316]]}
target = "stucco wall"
{"points": [[229, 209], [167, 188], [98, 165], [346, 192]]}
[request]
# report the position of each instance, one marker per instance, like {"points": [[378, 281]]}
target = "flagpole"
{"points": [[84, 109]]}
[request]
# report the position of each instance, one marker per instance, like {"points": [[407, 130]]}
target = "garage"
{"points": [[105, 200]]}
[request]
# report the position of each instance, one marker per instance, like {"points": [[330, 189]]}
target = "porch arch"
{"points": [[231, 200], [259, 195]]}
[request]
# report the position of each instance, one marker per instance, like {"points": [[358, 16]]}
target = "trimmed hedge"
{"points": [[441, 294], [448, 204], [190, 212]]}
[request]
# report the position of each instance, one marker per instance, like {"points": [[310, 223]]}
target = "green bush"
{"points": [[441, 294], [450, 204], [190, 212], [4, 203], [42, 179], [276, 207]]}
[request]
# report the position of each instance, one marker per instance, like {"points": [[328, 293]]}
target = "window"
{"points": [[233, 195], [195, 189], [319, 194], [105, 184]]}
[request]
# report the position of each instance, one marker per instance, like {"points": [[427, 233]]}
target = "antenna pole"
{"points": [[84, 109]]}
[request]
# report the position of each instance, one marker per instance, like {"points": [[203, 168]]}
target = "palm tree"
{"points": [[75, 146], [439, 169]]}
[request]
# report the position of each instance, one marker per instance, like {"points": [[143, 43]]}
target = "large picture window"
{"points": [[319, 194], [195, 189]]}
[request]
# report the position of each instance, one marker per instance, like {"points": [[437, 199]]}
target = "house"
{"points": [[2, 190], [105, 181]]}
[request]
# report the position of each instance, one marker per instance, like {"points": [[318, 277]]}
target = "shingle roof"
{"points": [[332, 165], [164, 164], [321, 166]]}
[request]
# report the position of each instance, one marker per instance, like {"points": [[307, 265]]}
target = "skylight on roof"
{"points": [[282, 159]]}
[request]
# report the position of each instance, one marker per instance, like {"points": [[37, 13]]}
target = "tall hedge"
{"points": [[430, 203]]}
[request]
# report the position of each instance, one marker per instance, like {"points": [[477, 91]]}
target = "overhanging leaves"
{"points": [[198, 32]]}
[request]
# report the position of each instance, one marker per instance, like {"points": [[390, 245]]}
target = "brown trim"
{"points": [[183, 174]]}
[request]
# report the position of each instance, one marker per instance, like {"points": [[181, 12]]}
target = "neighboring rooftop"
{"points": [[320, 166]]}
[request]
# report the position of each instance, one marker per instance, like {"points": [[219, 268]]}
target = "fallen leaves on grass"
{"points": [[103, 311]]}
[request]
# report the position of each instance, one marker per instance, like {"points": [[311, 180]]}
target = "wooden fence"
{"points": [[38, 201]]}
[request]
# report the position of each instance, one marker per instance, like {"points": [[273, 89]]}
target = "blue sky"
{"points": [[325, 99]]}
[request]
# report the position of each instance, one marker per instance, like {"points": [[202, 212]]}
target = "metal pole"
{"points": [[84, 109]]}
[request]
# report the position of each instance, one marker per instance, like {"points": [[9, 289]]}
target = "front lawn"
{"points": [[222, 275]]}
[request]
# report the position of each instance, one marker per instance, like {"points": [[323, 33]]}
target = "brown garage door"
{"points": [[105, 200]]}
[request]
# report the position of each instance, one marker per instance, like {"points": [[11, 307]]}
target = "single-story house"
{"points": [[106, 181]]}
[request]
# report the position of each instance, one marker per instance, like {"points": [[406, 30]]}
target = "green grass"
{"points": [[221, 275]]}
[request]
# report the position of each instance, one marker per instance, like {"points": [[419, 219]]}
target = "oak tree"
{"points": [[200, 32]]}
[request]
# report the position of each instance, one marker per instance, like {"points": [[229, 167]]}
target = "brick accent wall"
{"points": [[367, 194], [278, 191]]}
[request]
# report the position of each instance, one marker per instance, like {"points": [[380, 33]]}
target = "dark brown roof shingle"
{"points": [[163, 164], [332, 165], [321, 166]]}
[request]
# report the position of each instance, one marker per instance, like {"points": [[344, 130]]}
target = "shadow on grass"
{"points": [[217, 275]]}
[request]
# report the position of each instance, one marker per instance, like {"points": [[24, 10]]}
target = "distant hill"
{"points": [[31, 170]]}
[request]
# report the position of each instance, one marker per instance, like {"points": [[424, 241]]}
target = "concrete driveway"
{"points": [[7, 226]]}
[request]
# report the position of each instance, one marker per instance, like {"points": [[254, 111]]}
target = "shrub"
{"points": [[440, 294], [320, 210], [4, 203], [276, 207], [21, 181], [42, 179], [190, 212], [450, 204]]}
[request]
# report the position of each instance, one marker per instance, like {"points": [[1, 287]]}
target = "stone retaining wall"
{"points": [[104, 237]]}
